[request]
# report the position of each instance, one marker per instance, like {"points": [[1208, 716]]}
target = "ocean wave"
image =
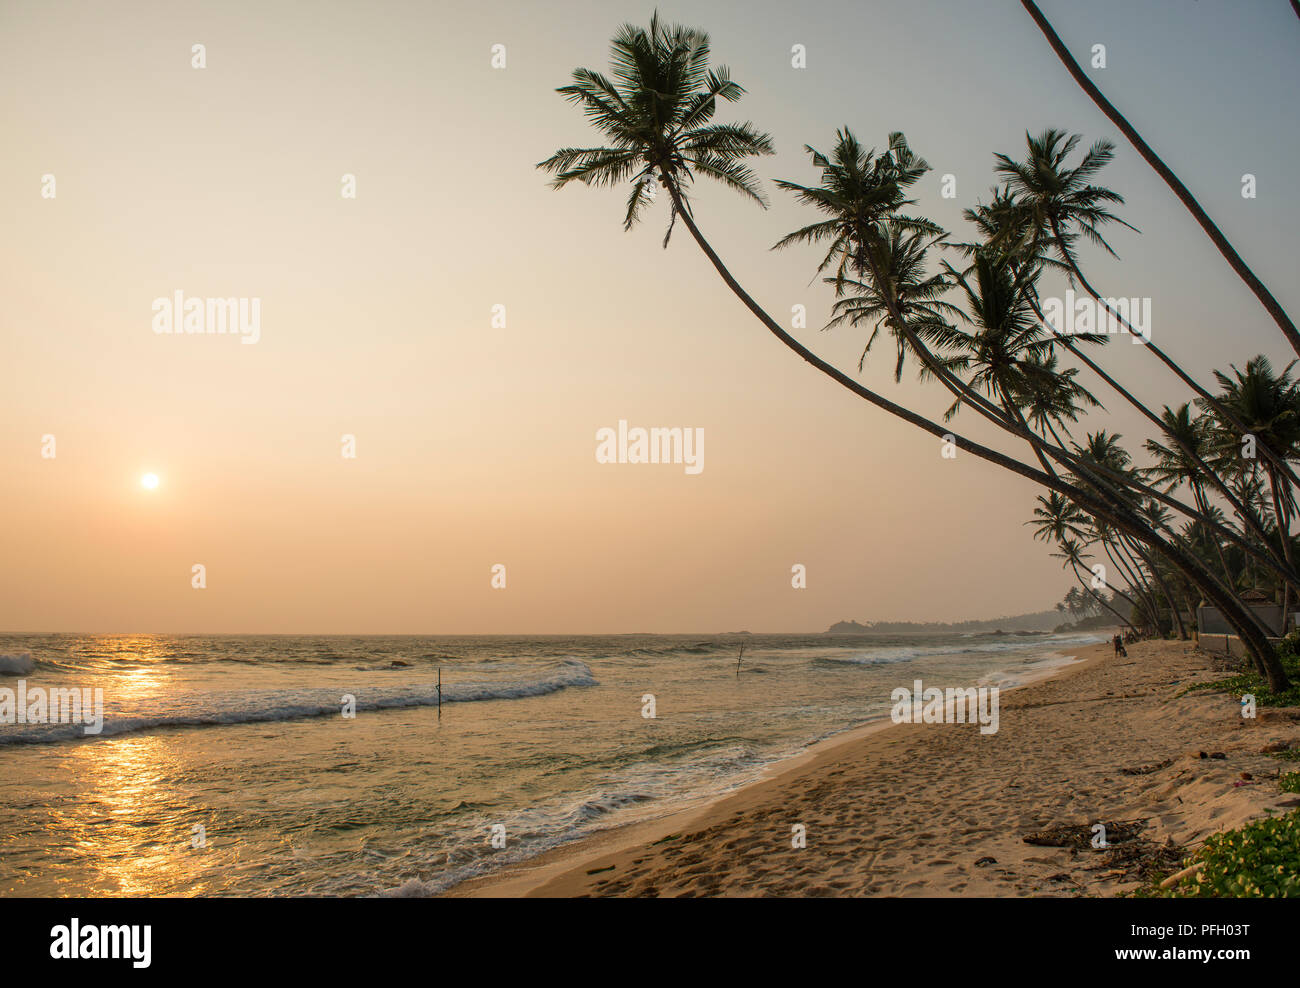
{"points": [[16, 665], [256, 706], [904, 653]]}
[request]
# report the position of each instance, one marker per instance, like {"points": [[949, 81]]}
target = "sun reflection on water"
{"points": [[128, 823]]}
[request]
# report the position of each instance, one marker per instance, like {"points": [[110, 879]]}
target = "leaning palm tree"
{"points": [[1057, 518], [1072, 553], [1061, 202], [1267, 404], [654, 112], [1008, 350], [1178, 462], [657, 114], [907, 287], [862, 196], [1234, 260], [1053, 399], [1017, 233]]}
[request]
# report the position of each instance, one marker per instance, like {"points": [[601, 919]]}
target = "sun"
{"points": [[149, 481]]}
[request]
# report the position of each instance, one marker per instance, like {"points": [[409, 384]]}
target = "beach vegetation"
{"points": [[1259, 860]]}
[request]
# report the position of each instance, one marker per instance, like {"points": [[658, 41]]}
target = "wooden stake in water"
{"points": [[738, 658], [440, 692]]}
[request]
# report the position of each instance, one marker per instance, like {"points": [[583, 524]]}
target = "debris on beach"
{"points": [[1140, 860], [1080, 835]]}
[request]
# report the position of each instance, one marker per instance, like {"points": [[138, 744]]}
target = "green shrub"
{"points": [[1259, 860], [1289, 782], [1249, 681]]}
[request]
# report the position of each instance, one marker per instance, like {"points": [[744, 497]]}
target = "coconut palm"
{"points": [[1052, 398], [1058, 518], [1071, 551], [1178, 462], [657, 112], [1061, 203], [1234, 260], [916, 294], [1009, 351], [1006, 226], [1267, 404], [862, 197], [660, 91], [1174, 464]]}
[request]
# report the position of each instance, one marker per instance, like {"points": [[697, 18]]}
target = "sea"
{"points": [[401, 766]]}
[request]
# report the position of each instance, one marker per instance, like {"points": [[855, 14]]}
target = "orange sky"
{"points": [[475, 444]]}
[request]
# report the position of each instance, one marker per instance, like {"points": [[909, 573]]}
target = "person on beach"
{"points": [[1118, 642]]}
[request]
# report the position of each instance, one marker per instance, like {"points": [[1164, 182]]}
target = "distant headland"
{"points": [[1040, 621]]}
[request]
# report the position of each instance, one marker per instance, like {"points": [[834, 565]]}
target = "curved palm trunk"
{"points": [[1284, 535], [1165, 359], [1199, 495], [1195, 457], [1234, 260], [1164, 589], [1143, 602], [1252, 634], [1096, 476]]}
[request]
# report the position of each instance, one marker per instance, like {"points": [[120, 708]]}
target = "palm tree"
{"points": [[1010, 352], [1234, 260], [915, 294], [1072, 552], [1178, 463], [862, 196], [1059, 520], [660, 94], [1267, 404], [1074, 603], [1063, 206], [654, 112], [1053, 399], [1006, 226]]}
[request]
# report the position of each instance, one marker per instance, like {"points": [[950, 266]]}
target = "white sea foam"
{"points": [[255, 706], [16, 665]]}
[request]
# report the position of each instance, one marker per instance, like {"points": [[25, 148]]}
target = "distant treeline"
{"points": [[1038, 621]]}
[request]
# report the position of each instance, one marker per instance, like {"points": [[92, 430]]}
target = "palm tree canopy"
{"points": [[917, 295], [1058, 519], [1266, 402], [862, 193], [1173, 463], [1059, 201], [656, 109]]}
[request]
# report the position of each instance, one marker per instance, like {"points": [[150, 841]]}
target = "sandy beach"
{"points": [[941, 810]]}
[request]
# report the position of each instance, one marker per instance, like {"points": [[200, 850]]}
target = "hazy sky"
{"points": [[475, 444]]}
